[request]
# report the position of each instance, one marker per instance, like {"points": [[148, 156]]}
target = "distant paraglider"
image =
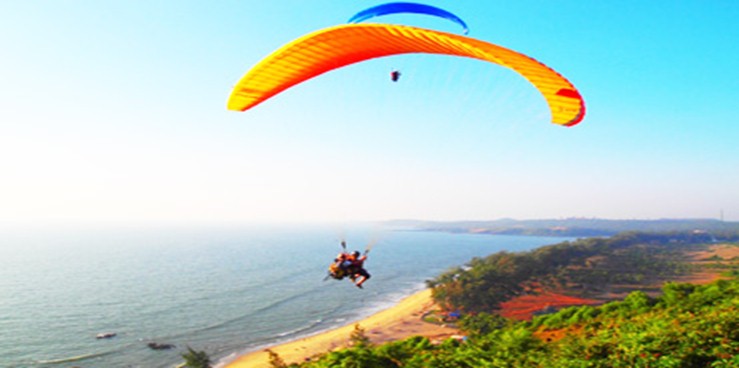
{"points": [[396, 8], [409, 8], [394, 75]]}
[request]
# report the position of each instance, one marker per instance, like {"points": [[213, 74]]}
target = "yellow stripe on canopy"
{"points": [[335, 47]]}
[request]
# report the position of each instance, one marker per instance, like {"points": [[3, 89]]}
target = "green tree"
{"points": [[196, 359], [482, 323]]}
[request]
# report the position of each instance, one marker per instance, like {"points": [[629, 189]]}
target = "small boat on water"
{"points": [[158, 346], [106, 335]]}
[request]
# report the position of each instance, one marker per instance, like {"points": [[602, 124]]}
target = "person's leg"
{"points": [[364, 277]]}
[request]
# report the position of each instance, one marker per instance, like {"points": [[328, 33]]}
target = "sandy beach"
{"points": [[400, 321]]}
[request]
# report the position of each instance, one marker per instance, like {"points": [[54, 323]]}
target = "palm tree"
{"points": [[196, 359]]}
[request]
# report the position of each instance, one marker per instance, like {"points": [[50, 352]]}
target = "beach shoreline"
{"points": [[398, 322]]}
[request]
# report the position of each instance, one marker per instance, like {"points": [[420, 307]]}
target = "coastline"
{"points": [[405, 318], [395, 323]]}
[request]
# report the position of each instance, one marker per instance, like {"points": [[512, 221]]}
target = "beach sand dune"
{"points": [[399, 322]]}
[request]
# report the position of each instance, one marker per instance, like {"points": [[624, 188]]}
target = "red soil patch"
{"points": [[524, 306]]}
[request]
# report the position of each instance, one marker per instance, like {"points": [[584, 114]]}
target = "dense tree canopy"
{"points": [[688, 326], [585, 267]]}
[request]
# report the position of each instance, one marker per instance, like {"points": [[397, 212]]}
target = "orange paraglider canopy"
{"points": [[335, 47]]}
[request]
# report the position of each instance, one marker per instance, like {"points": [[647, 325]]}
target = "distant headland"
{"points": [[568, 227]]}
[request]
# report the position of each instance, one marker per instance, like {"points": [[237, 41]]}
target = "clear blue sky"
{"points": [[115, 111]]}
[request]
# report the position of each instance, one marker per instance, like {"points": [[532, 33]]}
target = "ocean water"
{"points": [[226, 290]]}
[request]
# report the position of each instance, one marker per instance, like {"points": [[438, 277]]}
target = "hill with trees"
{"points": [[588, 268], [659, 323]]}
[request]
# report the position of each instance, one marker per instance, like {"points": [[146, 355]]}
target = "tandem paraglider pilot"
{"points": [[359, 275]]}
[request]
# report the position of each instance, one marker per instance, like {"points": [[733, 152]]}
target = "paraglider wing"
{"points": [[335, 47], [395, 8]]}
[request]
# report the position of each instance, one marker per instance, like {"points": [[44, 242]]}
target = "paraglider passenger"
{"points": [[343, 261], [342, 264]]}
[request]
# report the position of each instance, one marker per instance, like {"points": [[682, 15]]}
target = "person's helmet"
{"points": [[356, 253]]}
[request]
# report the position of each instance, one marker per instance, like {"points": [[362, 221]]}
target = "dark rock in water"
{"points": [[158, 346]]}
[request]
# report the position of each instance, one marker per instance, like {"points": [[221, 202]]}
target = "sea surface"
{"points": [[226, 290]]}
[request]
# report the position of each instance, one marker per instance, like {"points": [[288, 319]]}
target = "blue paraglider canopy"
{"points": [[394, 8]]}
